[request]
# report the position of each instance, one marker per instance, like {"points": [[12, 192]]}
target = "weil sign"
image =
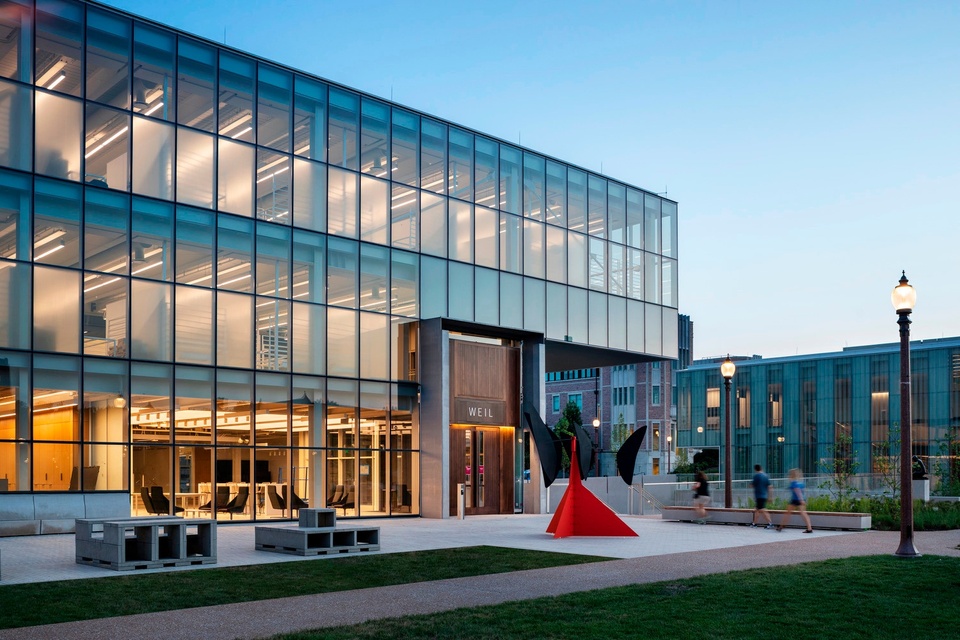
{"points": [[471, 411]]}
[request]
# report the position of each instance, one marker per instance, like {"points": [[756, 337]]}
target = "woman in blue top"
{"points": [[797, 503]]}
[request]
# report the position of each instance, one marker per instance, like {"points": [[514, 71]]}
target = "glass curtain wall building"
{"points": [[809, 411], [213, 270]]}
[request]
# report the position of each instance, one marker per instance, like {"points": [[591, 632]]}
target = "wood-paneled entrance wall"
{"points": [[484, 415]]}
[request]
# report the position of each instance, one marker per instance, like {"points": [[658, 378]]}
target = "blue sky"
{"points": [[813, 148]]}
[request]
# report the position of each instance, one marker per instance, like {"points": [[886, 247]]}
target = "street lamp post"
{"points": [[727, 370], [596, 437], [669, 452], [904, 298]]}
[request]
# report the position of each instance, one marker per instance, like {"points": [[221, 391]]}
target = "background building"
{"points": [[625, 397], [222, 276], [805, 411]]}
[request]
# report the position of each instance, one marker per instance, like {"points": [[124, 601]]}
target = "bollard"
{"points": [[461, 502]]}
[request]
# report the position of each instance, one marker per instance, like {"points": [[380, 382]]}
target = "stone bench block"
{"points": [[19, 528], [317, 518], [818, 519]]}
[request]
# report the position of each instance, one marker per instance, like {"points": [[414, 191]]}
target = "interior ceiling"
{"points": [[564, 356]]}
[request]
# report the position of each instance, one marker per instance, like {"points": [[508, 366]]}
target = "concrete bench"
{"points": [[818, 519], [145, 543], [316, 534]]}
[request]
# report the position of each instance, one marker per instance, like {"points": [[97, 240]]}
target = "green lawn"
{"points": [[29, 604], [876, 597]]}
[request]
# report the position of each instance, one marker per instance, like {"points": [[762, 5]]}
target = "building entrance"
{"points": [[484, 403], [483, 463]]}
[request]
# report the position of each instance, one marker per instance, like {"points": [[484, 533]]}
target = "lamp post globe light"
{"points": [[596, 437], [904, 298], [727, 370]]}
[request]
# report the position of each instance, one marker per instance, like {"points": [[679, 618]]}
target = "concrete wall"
{"points": [[39, 513]]}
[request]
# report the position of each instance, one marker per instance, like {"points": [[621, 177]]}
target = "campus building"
{"points": [[622, 398], [806, 411], [223, 279]]}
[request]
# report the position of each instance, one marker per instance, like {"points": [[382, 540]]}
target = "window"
{"points": [[577, 399], [556, 403], [655, 394], [713, 407]]}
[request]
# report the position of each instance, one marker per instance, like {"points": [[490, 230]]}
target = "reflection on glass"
{"points": [[405, 215], [273, 334], [107, 148], [234, 253], [153, 158], [105, 315], [273, 108], [195, 168], [460, 169], [235, 177], [405, 277], [374, 138], [309, 118], [154, 58], [433, 156], [405, 161], [374, 265], [343, 128], [273, 186], [58, 137], [234, 330], [533, 186], [236, 97], [196, 80], [194, 317], [151, 320], [56, 309], [16, 125]]}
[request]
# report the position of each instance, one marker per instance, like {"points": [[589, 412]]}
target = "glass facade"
{"points": [[807, 411], [212, 268]]}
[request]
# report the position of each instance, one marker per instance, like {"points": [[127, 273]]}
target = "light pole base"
{"points": [[907, 550]]}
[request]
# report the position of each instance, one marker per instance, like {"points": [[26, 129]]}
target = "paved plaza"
{"points": [[662, 551]]}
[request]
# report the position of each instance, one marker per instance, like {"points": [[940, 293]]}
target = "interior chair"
{"points": [[337, 495], [296, 502], [238, 504], [276, 501], [223, 499], [147, 502], [347, 502], [160, 501]]}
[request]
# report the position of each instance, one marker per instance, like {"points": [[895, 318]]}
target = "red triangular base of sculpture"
{"points": [[581, 513]]}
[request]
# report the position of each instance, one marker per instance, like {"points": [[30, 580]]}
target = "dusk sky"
{"points": [[813, 148]]}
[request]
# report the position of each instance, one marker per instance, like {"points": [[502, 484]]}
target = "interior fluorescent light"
{"points": [[277, 172], [53, 70], [60, 78], [102, 284], [107, 141], [236, 123], [53, 249], [243, 277], [148, 267], [50, 238], [153, 109], [240, 133]]}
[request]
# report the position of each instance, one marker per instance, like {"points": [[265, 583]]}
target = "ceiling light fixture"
{"points": [[51, 71], [107, 141], [53, 249]]}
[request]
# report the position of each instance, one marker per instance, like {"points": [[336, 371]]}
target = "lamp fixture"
{"points": [[904, 296], [120, 402], [152, 110], [50, 238], [107, 141], [60, 78], [53, 249], [52, 70]]}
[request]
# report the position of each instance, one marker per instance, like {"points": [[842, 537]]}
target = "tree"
{"points": [[618, 433], [564, 428], [886, 461], [841, 466]]}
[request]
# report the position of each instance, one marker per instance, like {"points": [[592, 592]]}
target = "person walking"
{"points": [[761, 486], [701, 496], [797, 501]]}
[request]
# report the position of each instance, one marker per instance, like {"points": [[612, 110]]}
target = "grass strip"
{"points": [[31, 604], [875, 597]]}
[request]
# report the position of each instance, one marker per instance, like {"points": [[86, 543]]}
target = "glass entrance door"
{"points": [[481, 470]]}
